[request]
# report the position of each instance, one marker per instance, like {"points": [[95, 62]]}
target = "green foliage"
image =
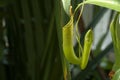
{"points": [[66, 5], [116, 75], [111, 4], [34, 34], [115, 31]]}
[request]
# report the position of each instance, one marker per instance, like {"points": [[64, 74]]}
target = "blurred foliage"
{"points": [[31, 42]]}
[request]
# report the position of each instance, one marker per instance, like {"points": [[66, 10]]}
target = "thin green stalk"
{"points": [[59, 24]]}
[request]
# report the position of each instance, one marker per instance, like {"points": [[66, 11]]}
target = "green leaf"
{"points": [[115, 30], [66, 6], [111, 4], [117, 75]]}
